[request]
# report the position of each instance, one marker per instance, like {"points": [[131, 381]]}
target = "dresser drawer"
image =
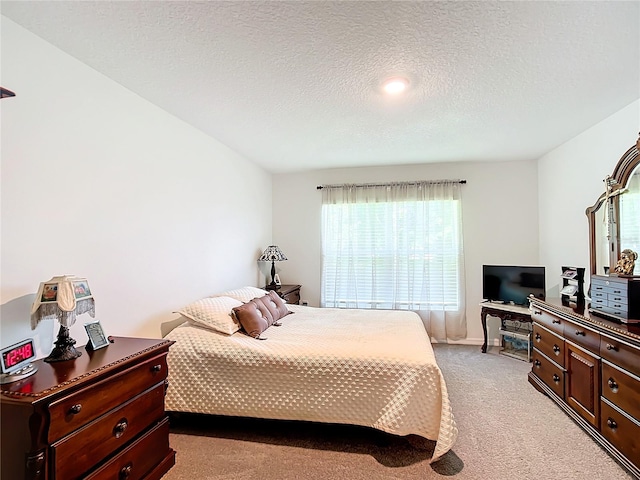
{"points": [[139, 458], [583, 337], [621, 354], [621, 389], [549, 344], [81, 407], [77, 453], [547, 371], [621, 431], [551, 322]]}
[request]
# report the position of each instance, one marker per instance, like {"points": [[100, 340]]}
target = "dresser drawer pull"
{"points": [[120, 427], [125, 471], [612, 347], [581, 332], [617, 291], [75, 409], [556, 378], [156, 368], [538, 337], [611, 423], [617, 298], [556, 349], [556, 321], [613, 385], [537, 312], [537, 363]]}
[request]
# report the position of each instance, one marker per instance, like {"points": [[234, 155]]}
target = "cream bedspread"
{"points": [[359, 367]]}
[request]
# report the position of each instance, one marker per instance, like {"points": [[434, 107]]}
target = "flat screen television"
{"points": [[512, 284]]}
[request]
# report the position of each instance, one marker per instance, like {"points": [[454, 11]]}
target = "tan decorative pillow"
{"points": [[243, 294], [213, 313]]}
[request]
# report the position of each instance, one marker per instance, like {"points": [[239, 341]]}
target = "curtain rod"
{"points": [[431, 182]]}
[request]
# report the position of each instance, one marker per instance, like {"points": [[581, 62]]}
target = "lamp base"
{"points": [[64, 347]]}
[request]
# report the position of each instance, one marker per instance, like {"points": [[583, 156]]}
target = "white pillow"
{"points": [[213, 313], [243, 294]]}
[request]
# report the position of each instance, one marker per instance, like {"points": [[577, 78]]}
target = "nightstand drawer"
{"points": [[135, 461], [86, 405], [77, 453]]}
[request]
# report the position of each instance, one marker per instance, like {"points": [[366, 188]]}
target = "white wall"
{"points": [[499, 213], [570, 179], [98, 182]]}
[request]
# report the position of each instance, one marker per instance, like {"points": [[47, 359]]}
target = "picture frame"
{"points": [[97, 338]]}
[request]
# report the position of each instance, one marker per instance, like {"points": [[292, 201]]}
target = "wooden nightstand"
{"points": [[98, 416], [290, 293]]}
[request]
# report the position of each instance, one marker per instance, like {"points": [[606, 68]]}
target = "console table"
{"points": [[503, 312]]}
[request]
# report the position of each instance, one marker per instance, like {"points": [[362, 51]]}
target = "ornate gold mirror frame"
{"points": [[615, 185]]}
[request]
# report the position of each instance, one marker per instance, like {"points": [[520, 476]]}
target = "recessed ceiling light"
{"points": [[396, 85]]}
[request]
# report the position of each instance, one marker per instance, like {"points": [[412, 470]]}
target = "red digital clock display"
{"points": [[17, 355]]}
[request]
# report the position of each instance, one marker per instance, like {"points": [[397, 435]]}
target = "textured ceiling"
{"points": [[295, 85]]}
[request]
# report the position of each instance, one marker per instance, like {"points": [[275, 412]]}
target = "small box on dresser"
{"points": [[616, 297], [98, 416]]}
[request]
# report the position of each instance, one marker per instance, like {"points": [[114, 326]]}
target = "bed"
{"points": [[358, 367]]}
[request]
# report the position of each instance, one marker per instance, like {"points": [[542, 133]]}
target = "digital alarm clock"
{"points": [[15, 361]]}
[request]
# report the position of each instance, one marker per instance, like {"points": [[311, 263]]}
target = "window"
{"points": [[395, 246]]}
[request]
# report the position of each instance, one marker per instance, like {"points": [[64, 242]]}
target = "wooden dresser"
{"points": [[590, 367], [98, 416]]}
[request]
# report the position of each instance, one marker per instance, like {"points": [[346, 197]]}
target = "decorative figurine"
{"points": [[626, 263]]}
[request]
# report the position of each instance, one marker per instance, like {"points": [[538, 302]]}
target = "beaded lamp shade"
{"points": [[62, 298]]}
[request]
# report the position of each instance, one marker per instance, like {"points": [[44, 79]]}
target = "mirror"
{"points": [[614, 220]]}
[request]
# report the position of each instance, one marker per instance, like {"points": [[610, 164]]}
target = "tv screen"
{"points": [[512, 284]]}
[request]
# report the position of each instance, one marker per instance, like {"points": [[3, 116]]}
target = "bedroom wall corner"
{"points": [[98, 182]]}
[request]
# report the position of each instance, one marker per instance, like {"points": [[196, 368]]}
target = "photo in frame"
{"points": [[97, 338]]}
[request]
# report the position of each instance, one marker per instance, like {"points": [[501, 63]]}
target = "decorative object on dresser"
{"points": [[272, 254], [591, 368], [572, 285], [63, 298], [101, 416], [616, 297], [627, 262]]}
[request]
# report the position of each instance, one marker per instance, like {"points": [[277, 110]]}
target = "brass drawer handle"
{"points": [[537, 362], [612, 347], [556, 378], [556, 349], [120, 427], [613, 385], [581, 332], [538, 337], [611, 423], [74, 410], [125, 471], [156, 368]]}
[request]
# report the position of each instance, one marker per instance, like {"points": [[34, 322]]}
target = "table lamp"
{"points": [[272, 254], [63, 298]]}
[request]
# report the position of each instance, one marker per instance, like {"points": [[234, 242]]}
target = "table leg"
{"points": [[483, 316]]}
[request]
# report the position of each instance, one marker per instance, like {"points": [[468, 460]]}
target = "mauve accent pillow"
{"points": [[260, 313], [254, 318]]}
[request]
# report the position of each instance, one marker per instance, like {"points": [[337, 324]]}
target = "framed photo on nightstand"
{"points": [[97, 338]]}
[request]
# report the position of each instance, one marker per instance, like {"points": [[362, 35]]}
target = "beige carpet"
{"points": [[507, 430]]}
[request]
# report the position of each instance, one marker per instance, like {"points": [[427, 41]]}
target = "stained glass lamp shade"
{"points": [[272, 254]]}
